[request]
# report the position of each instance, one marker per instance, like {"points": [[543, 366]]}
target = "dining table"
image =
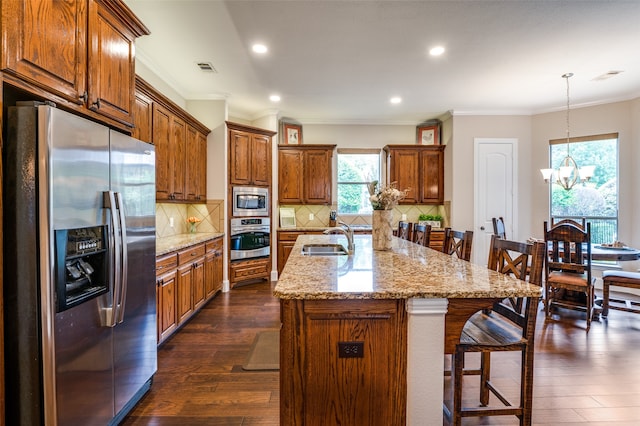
{"points": [[600, 252]]}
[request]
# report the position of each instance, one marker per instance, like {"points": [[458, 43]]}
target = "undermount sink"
{"points": [[324, 250]]}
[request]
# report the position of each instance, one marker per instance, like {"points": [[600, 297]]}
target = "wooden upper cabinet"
{"points": [[164, 162], [33, 51], [195, 173], [181, 145], [305, 174], [419, 167], [432, 162], [261, 160], [290, 169], [318, 176], [80, 51], [143, 118], [249, 155], [178, 144]]}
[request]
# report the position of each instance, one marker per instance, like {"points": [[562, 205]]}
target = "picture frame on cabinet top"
{"points": [[428, 133], [291, 134]]}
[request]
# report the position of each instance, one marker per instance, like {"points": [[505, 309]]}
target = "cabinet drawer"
{"points": [[288, 236], [213, 245], [166, 262], [249, 269], [190, 254]]}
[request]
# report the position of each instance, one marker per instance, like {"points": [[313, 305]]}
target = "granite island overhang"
{"points": [[363, 336]]}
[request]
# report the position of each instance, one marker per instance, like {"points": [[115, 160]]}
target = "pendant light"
{"points": [[568, 173]]}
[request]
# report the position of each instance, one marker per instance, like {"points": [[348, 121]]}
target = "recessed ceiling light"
{"points": [[436, 51], [259, 48], [274, 98], [395, 100]]}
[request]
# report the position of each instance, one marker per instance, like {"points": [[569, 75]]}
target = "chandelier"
{"points": [[568, 173]]}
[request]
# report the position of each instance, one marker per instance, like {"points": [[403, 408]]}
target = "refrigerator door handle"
{"points": [[121, 302], [109, 200]]}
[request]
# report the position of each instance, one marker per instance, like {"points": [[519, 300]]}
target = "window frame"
{"points": [[597, 237], [355, 151]]}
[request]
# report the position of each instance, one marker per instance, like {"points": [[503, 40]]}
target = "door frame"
{"points": [[513, 225]]}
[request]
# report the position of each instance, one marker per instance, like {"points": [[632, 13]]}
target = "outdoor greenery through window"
{"points": [[596, 199], [355, 171]]}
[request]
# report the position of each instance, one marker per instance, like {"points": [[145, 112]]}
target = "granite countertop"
{"points": [[407, 271], [322, 228], [166, 245]]}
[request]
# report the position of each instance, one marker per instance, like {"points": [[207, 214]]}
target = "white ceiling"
{"points": [[341, 61]]}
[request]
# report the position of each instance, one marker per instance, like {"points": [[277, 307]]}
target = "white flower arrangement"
{"points": [[385, 197]]}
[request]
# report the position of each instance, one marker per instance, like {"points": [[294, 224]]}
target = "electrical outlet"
{"points": [[171, 222], [350, 349], [404, 217], [311, 216]]}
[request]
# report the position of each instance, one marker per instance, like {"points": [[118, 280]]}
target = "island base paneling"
{"points": [[318, 382]]}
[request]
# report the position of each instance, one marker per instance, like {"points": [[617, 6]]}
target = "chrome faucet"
{"points": [[347, 231]]}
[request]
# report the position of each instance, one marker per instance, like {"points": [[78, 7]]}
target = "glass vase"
{"points": [[382, 229], [192, 228]]}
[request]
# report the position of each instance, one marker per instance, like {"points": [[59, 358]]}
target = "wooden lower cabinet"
{"points": [[343, 362], [213, 268], [186, 281], [245, 270], [166, 277]]}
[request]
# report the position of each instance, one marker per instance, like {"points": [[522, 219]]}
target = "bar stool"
{"points": [[620, 279]]}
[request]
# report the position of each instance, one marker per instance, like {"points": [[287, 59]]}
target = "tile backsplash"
{"points": [[321, 214], [211, 215]]}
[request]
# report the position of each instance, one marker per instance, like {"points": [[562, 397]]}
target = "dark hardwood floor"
{"points": [[580, 378]]}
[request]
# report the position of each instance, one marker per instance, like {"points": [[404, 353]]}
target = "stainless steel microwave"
{"points": [[250, 201]]}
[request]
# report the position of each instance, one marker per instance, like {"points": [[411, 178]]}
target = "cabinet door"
{"points": [[432, 169], [192, 159], [239, 157], [201, 192], [198, 284], [143, 118], [290, 182], [185, 293], [284, 250], [167, 320], [178, 146], [44, 42], [317, 176], [405, 171], [111, 65], [164, 161], [261, 160]]}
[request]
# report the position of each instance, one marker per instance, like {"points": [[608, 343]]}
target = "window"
{"points": [[356, 168], [597, 199]]}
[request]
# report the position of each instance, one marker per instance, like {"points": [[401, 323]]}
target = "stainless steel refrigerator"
{"points": [[79, 261]]}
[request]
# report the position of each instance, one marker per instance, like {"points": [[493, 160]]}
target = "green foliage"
{"points": [[598, 196]]}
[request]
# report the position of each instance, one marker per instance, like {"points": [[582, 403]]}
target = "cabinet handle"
{"points": [[84, 97], [96, 104]]}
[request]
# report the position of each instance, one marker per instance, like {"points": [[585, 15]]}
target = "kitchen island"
{"points": [[363, 336]]}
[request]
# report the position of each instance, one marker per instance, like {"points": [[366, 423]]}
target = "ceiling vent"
{"points": [[206, 67], [607, 75]]}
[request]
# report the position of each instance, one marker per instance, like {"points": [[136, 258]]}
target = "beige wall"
{"points": [[609, 118], [460, 172]]}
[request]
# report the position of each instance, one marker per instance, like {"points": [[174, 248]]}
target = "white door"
{"points": [[495, 180]]}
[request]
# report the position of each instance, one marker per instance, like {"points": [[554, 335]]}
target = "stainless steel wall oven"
{"points": [[250, 238]]}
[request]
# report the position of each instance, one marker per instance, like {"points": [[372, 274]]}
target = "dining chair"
{"points": [[498, 227], [568, 280], [582, 224], [421, 234], [508, 326], [404, 230], [458, 243], [625, 279]]}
